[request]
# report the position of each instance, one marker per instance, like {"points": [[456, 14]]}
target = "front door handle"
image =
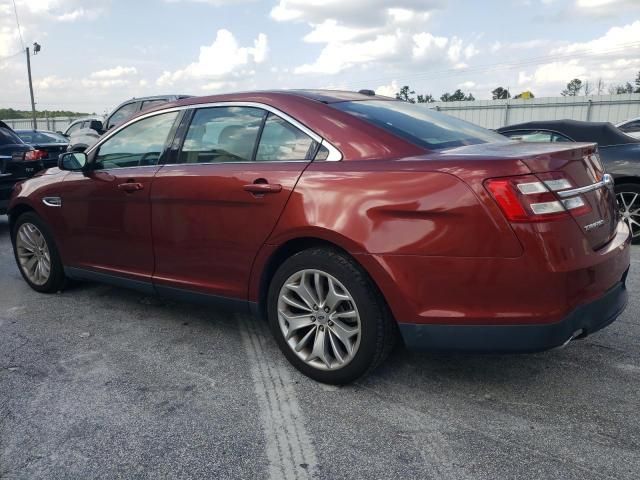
{"points": [[263, 188], [130, 187]]}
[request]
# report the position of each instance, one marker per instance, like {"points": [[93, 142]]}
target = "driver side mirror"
{"points": [[72, 161]]}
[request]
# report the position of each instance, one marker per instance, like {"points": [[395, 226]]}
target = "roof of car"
{"points": [[604, 133], [323, 96]]}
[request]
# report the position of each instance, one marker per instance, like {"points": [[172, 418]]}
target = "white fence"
{"points": [[498, 113], [45, 123]]}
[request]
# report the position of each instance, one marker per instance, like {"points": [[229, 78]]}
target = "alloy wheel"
{"points": [[33, 254], [319, 319], [629, 205]]}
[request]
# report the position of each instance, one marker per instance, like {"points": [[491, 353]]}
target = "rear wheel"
{"points": [[36, 254], [628, 196], [327, 316]]}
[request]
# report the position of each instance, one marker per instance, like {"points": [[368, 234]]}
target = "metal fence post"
{"points": [[589, 104], [506, 114]]}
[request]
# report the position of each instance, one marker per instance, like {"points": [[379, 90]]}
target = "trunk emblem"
{"points": [[594, 225]]}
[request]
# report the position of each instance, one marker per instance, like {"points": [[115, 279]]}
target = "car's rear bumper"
{"points": [[582, 321]]}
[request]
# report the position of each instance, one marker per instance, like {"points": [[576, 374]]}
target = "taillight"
{"points": [[34, 155], [530, 198]]}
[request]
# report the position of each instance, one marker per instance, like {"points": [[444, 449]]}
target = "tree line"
{"points": [[10, 113], [574, 87]]}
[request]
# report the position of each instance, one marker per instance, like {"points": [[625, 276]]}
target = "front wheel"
{"points": [[327, 316], [36, 254], [628, 196]]}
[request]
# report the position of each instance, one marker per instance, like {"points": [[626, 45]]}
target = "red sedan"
{"points": [[342, 218]]}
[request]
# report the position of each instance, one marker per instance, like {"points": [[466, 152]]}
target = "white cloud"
{"points": [[370, 33], [115, 72], [219, 60], [613, 57], [388, 90]]}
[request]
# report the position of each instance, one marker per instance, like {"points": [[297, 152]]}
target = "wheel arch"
{"points": [[17, 210], [626, 180], [289, 248]]}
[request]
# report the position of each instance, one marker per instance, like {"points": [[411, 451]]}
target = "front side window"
{"points": [[281, 141], [139, 144], [222, 134], [418, 124], [152, 103], [122, 114]]}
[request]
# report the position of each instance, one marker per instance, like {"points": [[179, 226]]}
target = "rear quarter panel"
{"points": [[390, 208]]}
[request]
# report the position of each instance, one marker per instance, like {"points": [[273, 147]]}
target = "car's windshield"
{"points": [[419, 124], [7, 137], [29, 136]]}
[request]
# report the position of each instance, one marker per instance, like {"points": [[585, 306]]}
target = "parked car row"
{"points": [[343, 219]]}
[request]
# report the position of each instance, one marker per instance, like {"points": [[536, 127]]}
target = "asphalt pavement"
{"points": [[101, 382]]}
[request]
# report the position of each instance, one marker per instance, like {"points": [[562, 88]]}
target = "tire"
{"points": [[357, 305], [55, 280], [628, 197]]}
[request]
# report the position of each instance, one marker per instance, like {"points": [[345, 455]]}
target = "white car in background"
{"points": [[83, 133], [630, 127]]}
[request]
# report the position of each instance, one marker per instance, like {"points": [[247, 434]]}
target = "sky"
{"points": [[98, 53]]}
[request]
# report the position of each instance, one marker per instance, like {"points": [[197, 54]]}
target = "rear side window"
{"points": [[419, 124], [536, 136], [281, 141], [7, 137], [630, 127], [222, 134]]}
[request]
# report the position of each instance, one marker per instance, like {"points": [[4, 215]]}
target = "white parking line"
{"points": [[289, 449]]}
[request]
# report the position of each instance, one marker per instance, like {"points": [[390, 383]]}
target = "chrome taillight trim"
{"points": [[607, 181]]}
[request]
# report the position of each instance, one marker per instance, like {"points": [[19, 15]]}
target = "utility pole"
{"points": [[33, 103], [36, 49]]}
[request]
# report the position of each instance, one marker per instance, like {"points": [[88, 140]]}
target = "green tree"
{"points": [[456, 96], [621, 88], [426, 98], [405, 94], [500, 93], [573, 88]]}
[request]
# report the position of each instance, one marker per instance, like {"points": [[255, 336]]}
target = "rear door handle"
{"points": [[130, 187], [263, 188]]}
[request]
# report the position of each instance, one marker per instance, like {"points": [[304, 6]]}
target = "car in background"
{"points": [[18, 161], [128, 109], [619, 153], [630, 127], [51, 142], [83, 133], [92, 128], [343, 219]]}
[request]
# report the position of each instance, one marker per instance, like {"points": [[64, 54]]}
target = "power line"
{"points": [[453, 72], [15, 10], [7, 57]]}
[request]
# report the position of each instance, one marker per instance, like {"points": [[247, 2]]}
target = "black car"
{"points": [[128, 109], [51, 142], [620, 154], [18, 161]]}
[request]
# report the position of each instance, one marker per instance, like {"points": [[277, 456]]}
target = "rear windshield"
{"points": [[29, 136], [7, 137], [419, 124]]}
